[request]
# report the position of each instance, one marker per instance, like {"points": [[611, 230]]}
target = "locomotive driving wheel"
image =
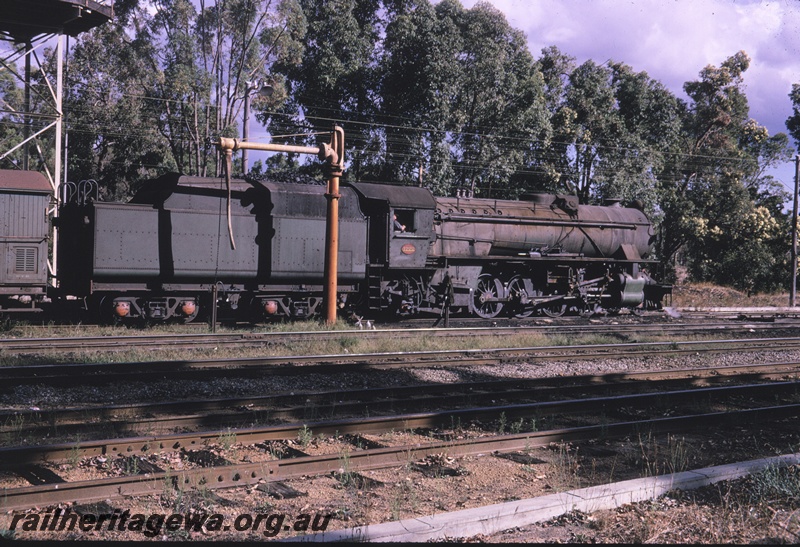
{"points": [[554, 309], [489, 288], [518, 294]]}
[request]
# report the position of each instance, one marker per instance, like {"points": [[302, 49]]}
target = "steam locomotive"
{"points": [[165, 255]]}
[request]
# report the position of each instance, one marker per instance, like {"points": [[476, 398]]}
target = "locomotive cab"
{"points": [[401, 224]]}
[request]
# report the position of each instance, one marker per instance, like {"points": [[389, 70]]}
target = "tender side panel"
{"points": [[125, 240], [299, 215], [200, 245]]}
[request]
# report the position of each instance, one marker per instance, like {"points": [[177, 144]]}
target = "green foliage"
{"points": [[793, 123], [430, 94], [145, 92]]}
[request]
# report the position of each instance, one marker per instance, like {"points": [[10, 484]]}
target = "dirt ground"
{"points": [[758, 509], [723, 513]]}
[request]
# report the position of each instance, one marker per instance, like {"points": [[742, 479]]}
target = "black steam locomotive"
{"points": [[402, 251]]}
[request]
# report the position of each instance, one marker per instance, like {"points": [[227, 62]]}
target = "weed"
{"points": [[347, 343], [264, 507], [566, 466], [227, 440], [501, 423], [405, 498], [516, 427], [305, 436], [775, 483], [655, 462], [181, 534], [678, 454], [346, 474], [167, 488], [131, 466], [15, 424], [74, 457]]}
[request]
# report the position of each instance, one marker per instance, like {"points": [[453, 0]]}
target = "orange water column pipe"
{"points": [[332, 156]]}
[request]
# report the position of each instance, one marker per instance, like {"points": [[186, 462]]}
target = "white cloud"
{"points": [[674, 40]]}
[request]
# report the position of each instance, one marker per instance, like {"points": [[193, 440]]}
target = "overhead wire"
{"points": [[501, 143]]}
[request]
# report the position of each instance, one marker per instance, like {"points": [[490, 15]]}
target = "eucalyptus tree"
{"points": [[417, 83], [111, 123], [793, 122], [611, 129], [335, 80], [718, 206], [148, 90], [646, 129], [11, 103], [498, 110], [548, 165]]}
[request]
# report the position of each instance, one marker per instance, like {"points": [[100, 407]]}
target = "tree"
{"points": [[611, 130], [717, 204], [417, 83], [148, 90], [336, 78], [11, 97], [499, 109], [793, 123], [110, 121]]}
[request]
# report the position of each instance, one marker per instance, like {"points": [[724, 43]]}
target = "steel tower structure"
{"points": [[26, 28]]}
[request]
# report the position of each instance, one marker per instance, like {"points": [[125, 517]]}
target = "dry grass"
{"points": [[348, 343], [708, 295]]}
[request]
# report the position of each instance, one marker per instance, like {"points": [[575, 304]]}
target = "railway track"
{"points": [[47, 345], [88, 373], [274, 453], [605, 417], [169, 416]]}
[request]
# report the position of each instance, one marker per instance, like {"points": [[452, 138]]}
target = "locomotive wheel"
{"points": [[516, 291], [489, 287], [554, 310]]}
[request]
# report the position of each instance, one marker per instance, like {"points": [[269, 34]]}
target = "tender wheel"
{"points": [[189, 309], [489, 287], [104, 312], [517, 292]]}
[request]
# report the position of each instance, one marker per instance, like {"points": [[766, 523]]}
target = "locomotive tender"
{"points": [[166, 252]]}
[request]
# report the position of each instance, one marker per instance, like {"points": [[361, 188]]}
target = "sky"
{"points": [[673, 40]]}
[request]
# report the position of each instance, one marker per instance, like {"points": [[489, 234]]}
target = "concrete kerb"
{"points": [[503, 516]]}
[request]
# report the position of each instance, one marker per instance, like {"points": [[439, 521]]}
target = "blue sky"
{"points": [[673, 40]]}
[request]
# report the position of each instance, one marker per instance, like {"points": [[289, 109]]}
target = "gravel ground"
{"points": [[723, 513]]}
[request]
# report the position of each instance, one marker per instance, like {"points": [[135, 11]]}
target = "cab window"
{"points": [[404, 220]]}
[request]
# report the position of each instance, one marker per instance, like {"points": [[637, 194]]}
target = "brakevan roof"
{"points": [[26, 181], [396, 196]]}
